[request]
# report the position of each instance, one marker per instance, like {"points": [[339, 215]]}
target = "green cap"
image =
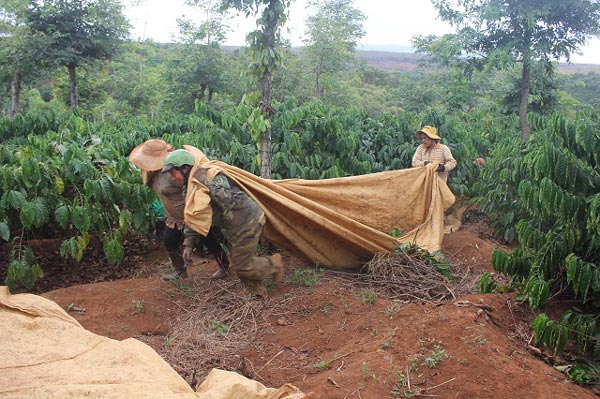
{"points": [[177, 159]]}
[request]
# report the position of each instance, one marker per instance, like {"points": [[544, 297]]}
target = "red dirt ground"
{"points": [[331, 343]]}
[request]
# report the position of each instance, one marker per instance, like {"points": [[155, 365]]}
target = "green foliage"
{"points": [[584, 372], [332, 35], [579, 327], [219, 327], [22, 269], [487, 284], [76, 33], [306, 277], [500, 33], [368, 296], [113, 250], [554, 214], [70, 185]]}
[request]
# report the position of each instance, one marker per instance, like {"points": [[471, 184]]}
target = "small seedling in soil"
{"points": [[325, 309], [169, 341], [393, 308], [367, 375], [138, 307], [306, 277], [368, 296], [323, 364], [464, 362], [219, 327]]}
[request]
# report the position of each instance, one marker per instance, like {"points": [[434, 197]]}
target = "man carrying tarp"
{"points": [[339, 223], [217, 200]]}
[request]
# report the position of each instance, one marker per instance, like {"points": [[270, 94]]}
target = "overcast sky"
{"points": [[389, 22]]}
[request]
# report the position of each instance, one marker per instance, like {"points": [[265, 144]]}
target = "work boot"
{"points": [[178, 265], [223, 263], [219, 274], [256, 287], [277, 269]]}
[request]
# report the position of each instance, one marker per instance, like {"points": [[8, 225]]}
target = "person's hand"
{"points": [[441, 168], [426, 162], [187, 255]]}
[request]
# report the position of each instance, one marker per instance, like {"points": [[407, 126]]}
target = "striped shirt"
{"points": [[438, 153]]}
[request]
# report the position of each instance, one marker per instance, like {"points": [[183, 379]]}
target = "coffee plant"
{"points": [[544, 192]]}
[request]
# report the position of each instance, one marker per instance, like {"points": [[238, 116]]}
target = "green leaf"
{"points": [[16, 199], [81, 218], [61, 214], [113, 250], [4, 231], [27, 214]]}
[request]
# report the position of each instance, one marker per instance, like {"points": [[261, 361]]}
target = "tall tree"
{"points": [[515, 31], [264, 48], [199, 55], [78, 32], [331, 38], [20, 50]]}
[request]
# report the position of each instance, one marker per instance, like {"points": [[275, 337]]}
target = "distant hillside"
{"points": [[383, 57], [406, 61], [392, 62]]}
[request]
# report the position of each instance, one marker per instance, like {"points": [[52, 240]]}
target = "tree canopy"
{"points": [[78, 32], [515, 31], [332, 35]]}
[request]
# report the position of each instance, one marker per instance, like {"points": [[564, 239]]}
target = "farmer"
{"points": [[149, 157], [213, 199], [431, 150]]}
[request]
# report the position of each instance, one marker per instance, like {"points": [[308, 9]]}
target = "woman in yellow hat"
{"points": [[431, 150]]}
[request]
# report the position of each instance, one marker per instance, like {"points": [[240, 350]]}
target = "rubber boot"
{"points": [[256, 287], [223, 263], [219, 274], [178, 265]]}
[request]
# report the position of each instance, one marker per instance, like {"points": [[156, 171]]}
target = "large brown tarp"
{"points": [[45, 353], [343, 222]]}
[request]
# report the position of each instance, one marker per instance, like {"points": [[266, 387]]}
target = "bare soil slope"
{"points": [[336, 338]]}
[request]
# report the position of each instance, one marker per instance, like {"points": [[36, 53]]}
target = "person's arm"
{"points": [[221, 195], [450, 161], [417, 159], [191, 239]]}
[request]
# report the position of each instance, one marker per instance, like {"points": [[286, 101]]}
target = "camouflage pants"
{"points": [[242, 256], [241, 221]]}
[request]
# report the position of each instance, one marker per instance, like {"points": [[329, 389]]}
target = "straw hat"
{"points": [[150, 155], [429, 131]]}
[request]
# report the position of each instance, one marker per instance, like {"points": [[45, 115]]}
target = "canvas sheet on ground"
{"points": [[47, 354], [343, 222]]}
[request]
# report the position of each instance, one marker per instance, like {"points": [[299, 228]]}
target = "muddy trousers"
{"points": [[251, 269], [172, 240]]}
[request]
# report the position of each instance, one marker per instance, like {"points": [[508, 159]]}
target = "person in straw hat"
{"points": [[214, 199], [149, 158], [431, 150]]}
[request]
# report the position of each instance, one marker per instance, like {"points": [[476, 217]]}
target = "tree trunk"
{"points": [[266, 82], [318, 79], [73, 80], [319, 89], [203, 87], [524, 100], [15, 93], [265, 145]]}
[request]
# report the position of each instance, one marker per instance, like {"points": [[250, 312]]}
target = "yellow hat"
{"points": [[429, 131], [150, 155]]}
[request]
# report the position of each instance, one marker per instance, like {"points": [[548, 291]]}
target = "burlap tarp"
{"points": [[45, 353], [343, 222]]}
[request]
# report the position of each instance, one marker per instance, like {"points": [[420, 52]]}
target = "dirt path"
{"points": [[332, 339]]}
